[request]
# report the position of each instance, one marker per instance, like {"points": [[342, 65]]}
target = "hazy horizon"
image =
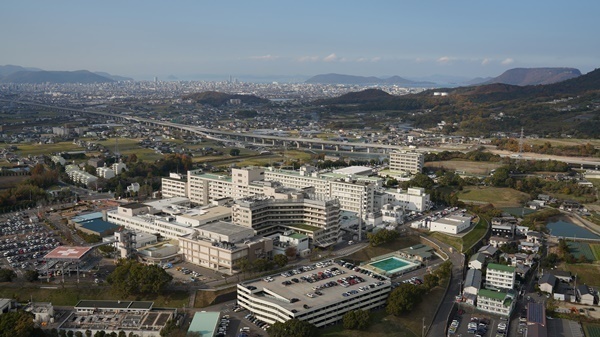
{"points": [[269, 39]]}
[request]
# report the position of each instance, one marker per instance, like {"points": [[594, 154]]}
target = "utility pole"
{"points": [[423, 332]]}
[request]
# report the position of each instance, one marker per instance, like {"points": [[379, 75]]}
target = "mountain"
{"points": [[362, 80], [11, 69], [535, 76], [215, 98], [113, 77], [79, 76], [477, 81]]}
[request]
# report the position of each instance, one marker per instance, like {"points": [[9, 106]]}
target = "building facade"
{"points": [[499, 276], [407, 161]]}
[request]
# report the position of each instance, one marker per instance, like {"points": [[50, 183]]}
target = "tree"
{"points": [[293, 328], [403, 299], [78, 334], [31, 275], [88, 333], [430, 281], [234, 152], [280, 260], [133, 278], [357, 320], [16, 324], [382, 236], [70, 333], [7, 275], [291, 252]]}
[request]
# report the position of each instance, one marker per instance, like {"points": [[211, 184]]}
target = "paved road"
{"points": [[438, 326]]}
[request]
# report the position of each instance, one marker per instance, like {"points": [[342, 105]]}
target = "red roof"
{"points": [[67, 253]]}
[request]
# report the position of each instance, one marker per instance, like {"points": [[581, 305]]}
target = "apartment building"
{"points": [[105, 172], [496, 302], [79, 176], [206, 187], [499, 276], [407, 161]]}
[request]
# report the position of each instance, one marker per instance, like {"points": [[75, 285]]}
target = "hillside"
{"points": [[113, 77], [79, 76], [535, 76], [215, 98], [11, 69], [359, 97], [362, 80]]}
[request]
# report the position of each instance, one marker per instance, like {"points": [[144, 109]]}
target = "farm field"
{"points": [[579, 249], [562, 142], [587, 273], [498, 196], [595, 247], [591, 330], [472, 167], [37, 149]]}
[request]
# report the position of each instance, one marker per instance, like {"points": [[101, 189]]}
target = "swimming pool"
{"points": [[393, 265]]}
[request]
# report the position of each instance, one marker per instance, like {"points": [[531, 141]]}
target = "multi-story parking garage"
{"points": [[319, 295]]}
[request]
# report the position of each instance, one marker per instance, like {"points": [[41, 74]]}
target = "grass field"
{"points": [[467, 240], [581, 248], [472, 167], [498, 196], [71, 295], [587, 273], [591, 330], [563, 141], [595, 247], [37, 149], [518, 211]]}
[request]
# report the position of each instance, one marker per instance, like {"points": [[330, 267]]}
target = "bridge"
{"points": [[297, 142]]}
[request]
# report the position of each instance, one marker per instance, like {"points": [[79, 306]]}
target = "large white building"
{"points": [[452, 224], [413, 199], [105, 172], [271, 300], [499, 276], [407, 161], [174, 186], [282, 209], [79, 176]]}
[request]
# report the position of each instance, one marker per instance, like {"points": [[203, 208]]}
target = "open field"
{"points": [[498, 196], [595, 247], [587, 273], [37, 149], [579, 249], [10, 181], [472, 167], [562, 141], [591, 330], [71, 295]]}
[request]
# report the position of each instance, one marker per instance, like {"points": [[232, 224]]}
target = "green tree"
{"points": [[357, 320], [430, 281], [403, 299], [293, 328], [88, 333], [78, 334], [70, 333], [7, 275], [133, 278], [382, 236], [234, 152], [31, 275], [16, 324], [280, 260]]}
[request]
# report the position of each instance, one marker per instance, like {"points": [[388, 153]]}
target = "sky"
{"points": [[264, 38]]}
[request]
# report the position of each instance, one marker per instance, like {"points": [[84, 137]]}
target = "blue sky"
{"points": [[415, 38]]}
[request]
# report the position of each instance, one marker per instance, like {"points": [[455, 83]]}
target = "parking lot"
{"points": [[24, 240], [486, 325]]}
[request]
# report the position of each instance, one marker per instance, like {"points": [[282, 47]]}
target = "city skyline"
{"points": [[268, 39]]}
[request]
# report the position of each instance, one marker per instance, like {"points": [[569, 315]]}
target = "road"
{"points": [[438, 326]]}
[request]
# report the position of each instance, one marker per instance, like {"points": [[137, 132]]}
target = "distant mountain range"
{"points": [[362, 80], [18, 74], [534, 76]]}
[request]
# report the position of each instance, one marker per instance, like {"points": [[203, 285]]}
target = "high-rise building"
{"points": [[407, 161]]}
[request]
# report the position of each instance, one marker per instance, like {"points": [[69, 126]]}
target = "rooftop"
{"points": [[85, 304], [501, 267], [204, 323]]}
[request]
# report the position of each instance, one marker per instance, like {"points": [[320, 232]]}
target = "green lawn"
{"points": [[71, 295], [475, 234], [37, 149], [591, 330], [586, 273], [498, 196], [595, 247]]}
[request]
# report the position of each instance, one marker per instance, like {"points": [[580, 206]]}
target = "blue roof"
{"points": [[205, 323], [89, 216], [99, 226]]}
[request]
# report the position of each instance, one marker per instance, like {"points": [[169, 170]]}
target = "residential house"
{"points": [[586, 295], [547, 283], [477, 261], [472, 282]]}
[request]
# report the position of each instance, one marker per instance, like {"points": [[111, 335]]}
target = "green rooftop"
{"points": [[501, 267], [492, 294], [304, 227], [298, 236]]}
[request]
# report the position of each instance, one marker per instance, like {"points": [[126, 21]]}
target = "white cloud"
{"points": [[307, 59], [486, 61], [268, 57], [444, 59], [331, 58], [376, 59], [508, 61]]}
